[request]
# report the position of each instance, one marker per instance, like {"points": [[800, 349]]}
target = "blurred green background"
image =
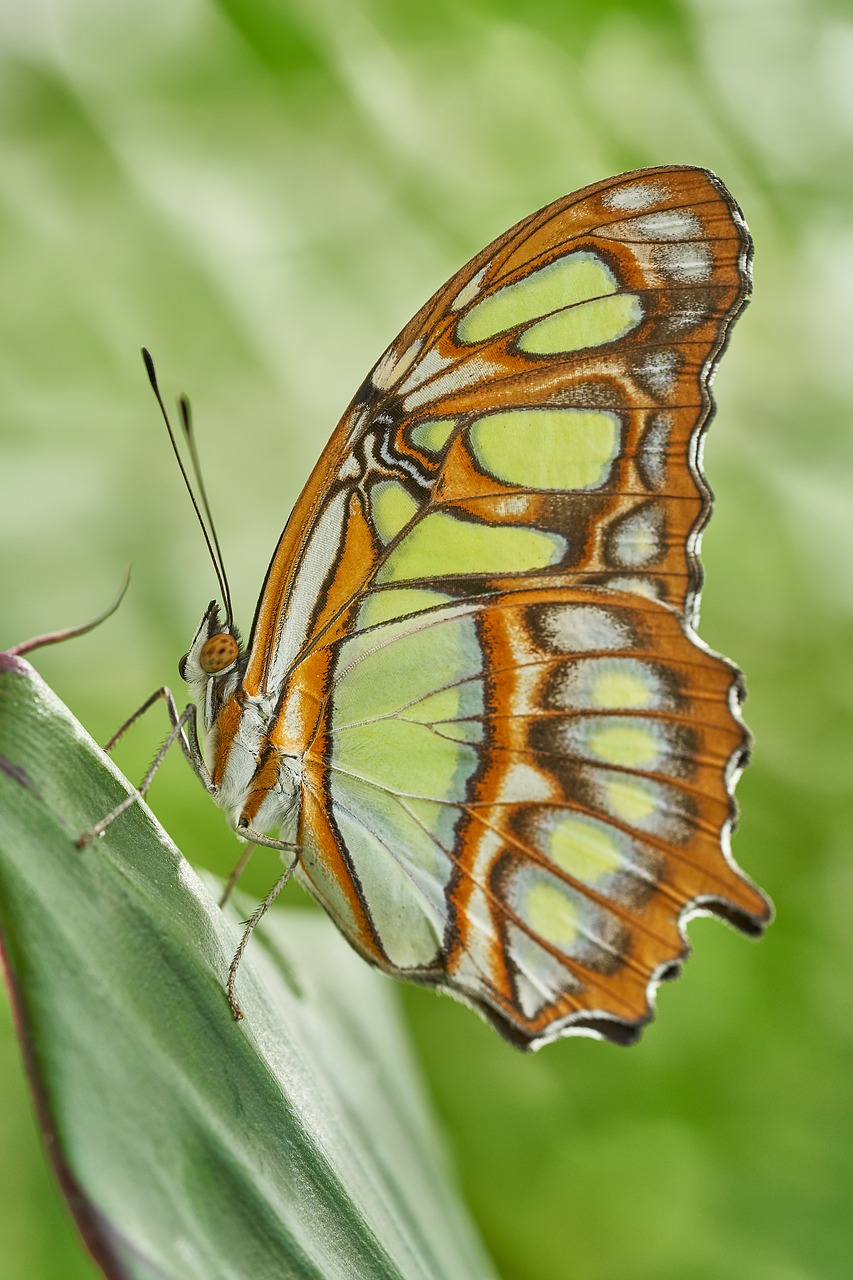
{"points": [[263, 193]]}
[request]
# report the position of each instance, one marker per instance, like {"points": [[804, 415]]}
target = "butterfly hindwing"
{"points": [[527, 793]]}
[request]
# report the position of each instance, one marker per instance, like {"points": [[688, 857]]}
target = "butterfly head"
{"points": [[211, 666]]}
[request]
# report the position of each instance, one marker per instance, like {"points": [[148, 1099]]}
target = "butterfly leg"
{"points": [[239, 868], [249, 928], [183, 731], [253, 838], [164, 693]]}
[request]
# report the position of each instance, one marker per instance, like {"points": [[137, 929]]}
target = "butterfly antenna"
{"points": [[189, 436], [210, 538]]}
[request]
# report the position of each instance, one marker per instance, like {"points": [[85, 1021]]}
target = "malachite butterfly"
{"points": [[473, 699]]}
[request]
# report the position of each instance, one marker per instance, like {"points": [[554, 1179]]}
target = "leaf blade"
{"points": [[295, 1143]]}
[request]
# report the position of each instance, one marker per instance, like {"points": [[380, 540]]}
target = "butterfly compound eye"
{"points": [[218, 652]]}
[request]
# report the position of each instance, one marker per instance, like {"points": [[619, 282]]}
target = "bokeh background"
{"points": [[263, 192]]}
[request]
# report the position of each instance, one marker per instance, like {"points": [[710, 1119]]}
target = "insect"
{"points": [[473, 712]]}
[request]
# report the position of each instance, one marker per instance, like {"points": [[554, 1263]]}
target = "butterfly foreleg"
{"points": [[183, 731]]}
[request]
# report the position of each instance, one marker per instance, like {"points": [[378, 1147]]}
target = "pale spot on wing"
{"points": [[610, 684], [469, 291], [550, 912], [566, 919], [633, 800], [634, 197], [658, 808], [596, 854], [668, 224], [392, 366], [690, 261], [637, 540], [660, 370], [525, 782], [615, 683], [461, 375], [432, 363], [539, 978], [687, 315], [652, 450], [643, 744], [512, 505], [584, 848], [472, 965], [632, 745], [357, 423], [647, 587], [571, 628]]}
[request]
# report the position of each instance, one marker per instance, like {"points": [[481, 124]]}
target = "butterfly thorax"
{"points": [[253, 780]]}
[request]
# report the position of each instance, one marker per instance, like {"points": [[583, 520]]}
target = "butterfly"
{"points": [[473, 706]]}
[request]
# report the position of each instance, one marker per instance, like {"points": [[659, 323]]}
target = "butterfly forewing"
{"points": [[516, 759], [547, 405]]}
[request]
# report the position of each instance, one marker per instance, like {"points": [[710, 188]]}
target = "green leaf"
{"points": [[293, 1144]]}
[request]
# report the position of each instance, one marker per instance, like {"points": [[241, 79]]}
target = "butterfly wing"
{"points": [[525, 795], [516, 757]]}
